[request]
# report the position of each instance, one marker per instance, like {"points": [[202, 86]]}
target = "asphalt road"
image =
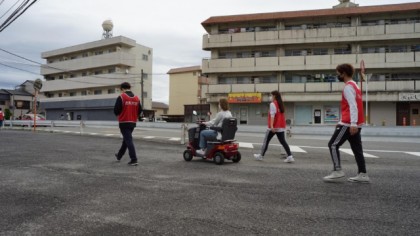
{"points": [[68, 184]]}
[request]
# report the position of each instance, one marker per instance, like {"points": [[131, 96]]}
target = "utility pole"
{"points": [[142, 91]]}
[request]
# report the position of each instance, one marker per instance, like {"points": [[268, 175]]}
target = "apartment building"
{"points": [[185, 85], [83, 80], [296, 53]]}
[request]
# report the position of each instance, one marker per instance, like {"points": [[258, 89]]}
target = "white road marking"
{"points": [[175, 139], [149, 137], [93, 134], [246, 145], [350, 152], [292, 148], [109, 135], [414, 153]]}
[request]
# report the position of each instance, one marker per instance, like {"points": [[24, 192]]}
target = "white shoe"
{"points": [[289, 159], [334, 176], [258, 157], [201, 152], [360, 178]]}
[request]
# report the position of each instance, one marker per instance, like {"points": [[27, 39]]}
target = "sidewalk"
{"points": [[375, 131]]}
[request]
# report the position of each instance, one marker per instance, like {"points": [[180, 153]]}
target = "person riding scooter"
{"points": [[210, 134]]}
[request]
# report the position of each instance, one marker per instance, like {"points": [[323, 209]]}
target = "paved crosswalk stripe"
{"points": [[149, 137], [414, 153], [246, 145], [296, 149], [175, 139], [350, 152]]}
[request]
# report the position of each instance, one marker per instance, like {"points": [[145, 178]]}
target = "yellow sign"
{"points": [[244, 98]]}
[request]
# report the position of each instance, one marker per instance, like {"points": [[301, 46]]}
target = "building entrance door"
{"points": [[243, 115], [403, 113], [303, 115]]}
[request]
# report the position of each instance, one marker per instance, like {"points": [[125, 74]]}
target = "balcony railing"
{"points": [[344, 34], [312, 62], [108, 59], [321, 87]]}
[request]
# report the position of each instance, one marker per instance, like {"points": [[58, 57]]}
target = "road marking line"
{"points": [[93, 134], [292, 148], [175, 139], [109, 135], [246, 145], [414, 153], [149, 137], [350, 152]]}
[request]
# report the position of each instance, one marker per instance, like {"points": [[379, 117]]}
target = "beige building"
{"points": [[160, 109], [185, 88], [296, 53], [83, 80]]}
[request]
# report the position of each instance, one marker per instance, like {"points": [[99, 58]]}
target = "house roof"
{"points": [[17, 92], [347, 11], [184, 69], [159, 105]]}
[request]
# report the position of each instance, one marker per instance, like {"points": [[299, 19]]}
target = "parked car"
{"points": [[31, 117]]}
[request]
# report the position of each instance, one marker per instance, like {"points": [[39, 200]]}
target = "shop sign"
{"points": [[409, 97], [244, 98]]}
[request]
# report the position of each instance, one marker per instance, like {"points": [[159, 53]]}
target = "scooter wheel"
{"points": [[188, 155], [219, 158], [237, 157]]}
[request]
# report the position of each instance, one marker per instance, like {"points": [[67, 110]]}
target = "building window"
{"points": [[293, 52], [320, 51], [2, 102], [60, 95], [99, 52], [227, 80], [85, 54], [144, 95], [83, 93], [98, 72], [72, 94], [110, 91], [112, 70], [398, 48], [342, 51], [97, 92], [145, 57], [60, 77], [243, 80], [71, 75], [84, 74], [112, 50]]}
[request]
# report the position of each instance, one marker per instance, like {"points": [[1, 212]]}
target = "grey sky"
{"points": [[172, 28]]}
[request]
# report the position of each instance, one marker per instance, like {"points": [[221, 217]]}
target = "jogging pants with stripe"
{"points": [[280, 135], [342, 134]]}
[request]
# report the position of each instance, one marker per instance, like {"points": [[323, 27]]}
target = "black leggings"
{"points": [[342, 134], [280, 135]]}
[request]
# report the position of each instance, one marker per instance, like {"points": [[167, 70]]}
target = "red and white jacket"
{"points": [[279, 121], [351, 105]]}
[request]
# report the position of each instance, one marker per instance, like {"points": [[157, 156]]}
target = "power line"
{"points": [[10, 8], [19, 69], [12, 18]]}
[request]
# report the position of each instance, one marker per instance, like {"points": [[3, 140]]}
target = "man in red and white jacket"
{"points": [[1, 118], [349, 127], [128, 109]]}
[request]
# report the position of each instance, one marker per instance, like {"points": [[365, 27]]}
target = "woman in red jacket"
{"points": [[276, 126]]}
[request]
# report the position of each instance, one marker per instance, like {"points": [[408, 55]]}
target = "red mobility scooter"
{"points": [[217, 150]]}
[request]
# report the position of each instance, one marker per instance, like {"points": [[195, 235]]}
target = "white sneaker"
{"points": [[360, 178], [258, 157], [289, 159], [201, 152], [334, 176]]}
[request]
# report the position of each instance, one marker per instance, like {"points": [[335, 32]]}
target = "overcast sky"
{"points": [[172, 28]]}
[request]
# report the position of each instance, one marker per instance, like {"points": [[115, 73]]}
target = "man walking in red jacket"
{"points": [[128, 109], [348, 128]]}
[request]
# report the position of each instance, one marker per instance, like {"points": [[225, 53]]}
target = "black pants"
{"points": [[127, 143], [280, 135], [341, 134]]}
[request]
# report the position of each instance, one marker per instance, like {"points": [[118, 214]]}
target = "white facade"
{"points": [[94, 71], [297, 53]]}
